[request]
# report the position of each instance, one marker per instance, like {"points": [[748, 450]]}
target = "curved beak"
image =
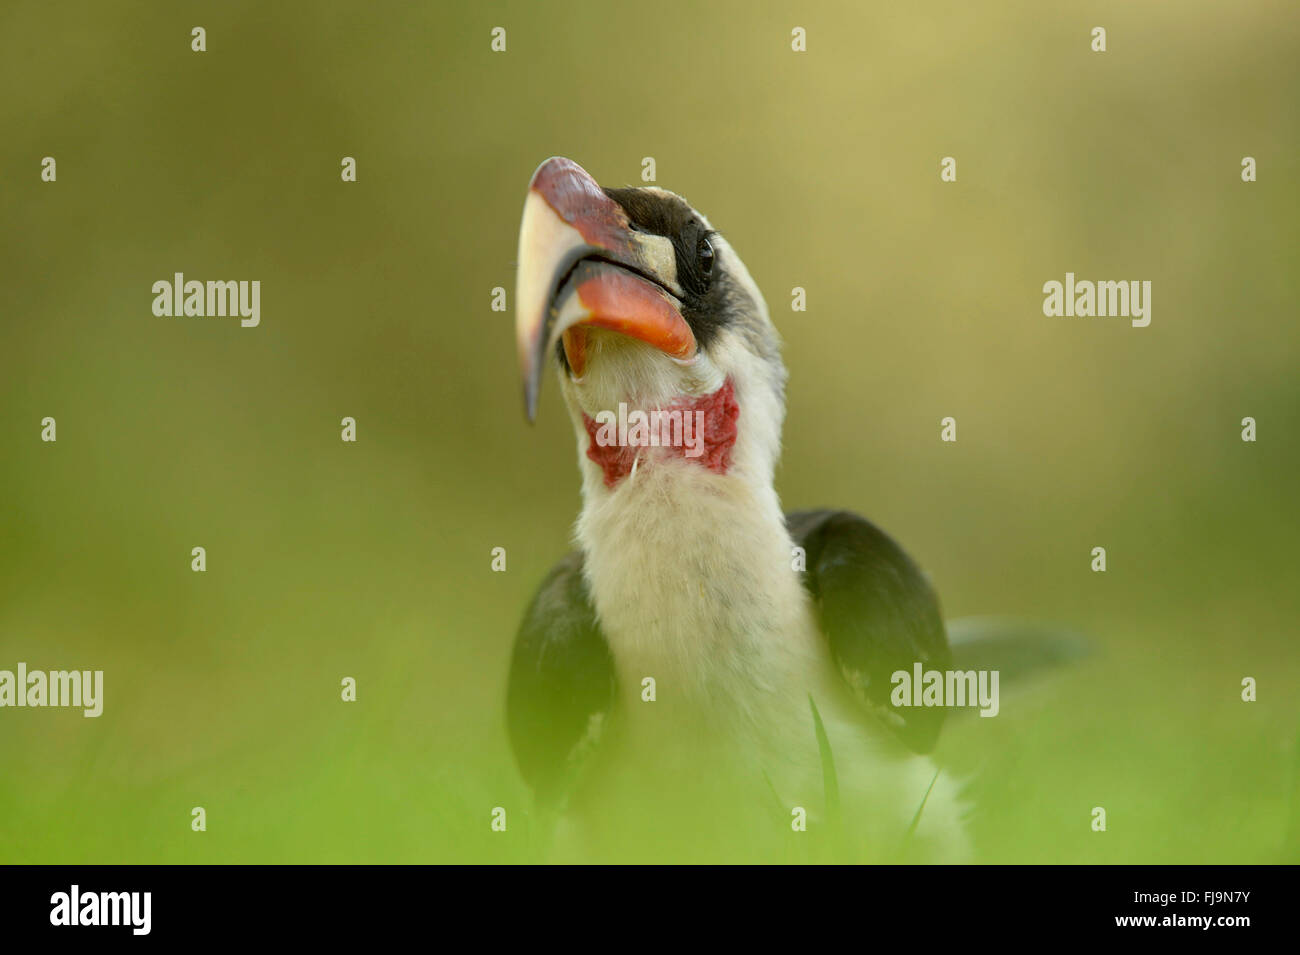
{"points": [[582, 263]]}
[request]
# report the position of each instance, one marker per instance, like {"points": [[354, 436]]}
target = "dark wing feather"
{"points": [[561, 684], [877, 611]]}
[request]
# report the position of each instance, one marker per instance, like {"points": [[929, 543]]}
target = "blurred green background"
{"points": [[371, 560]]}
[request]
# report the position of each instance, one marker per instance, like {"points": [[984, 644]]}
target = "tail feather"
{"points": [[1017, 649]]}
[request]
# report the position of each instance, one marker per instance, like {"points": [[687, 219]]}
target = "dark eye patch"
{"points": [[704, 306], [693, 271]]}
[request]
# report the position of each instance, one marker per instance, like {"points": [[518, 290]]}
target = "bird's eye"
{"points": [[706, 256]]}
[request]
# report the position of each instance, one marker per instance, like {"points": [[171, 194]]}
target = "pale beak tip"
{"points": [[530, 402]]}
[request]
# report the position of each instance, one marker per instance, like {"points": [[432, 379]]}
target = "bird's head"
{"points": [[641, 306]]}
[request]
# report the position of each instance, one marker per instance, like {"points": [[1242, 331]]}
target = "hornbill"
{"points": [[687, 573]]}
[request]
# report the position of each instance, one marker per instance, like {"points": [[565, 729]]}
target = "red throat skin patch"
{"points": [[712, 443]]}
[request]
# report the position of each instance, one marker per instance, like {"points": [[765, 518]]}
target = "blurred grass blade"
{"points": [[830, 781], [916, 817]]}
